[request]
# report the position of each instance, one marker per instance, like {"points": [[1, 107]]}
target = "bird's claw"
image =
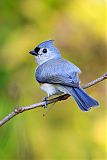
{"points": [[45, 102]]}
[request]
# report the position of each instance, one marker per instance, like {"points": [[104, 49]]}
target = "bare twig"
{"points": [[95, 81], [19, 110]]}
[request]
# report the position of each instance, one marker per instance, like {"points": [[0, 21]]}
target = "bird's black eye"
{"points": [[44, 50]]}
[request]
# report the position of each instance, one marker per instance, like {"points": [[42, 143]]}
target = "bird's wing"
{"points": [[58, 71]]}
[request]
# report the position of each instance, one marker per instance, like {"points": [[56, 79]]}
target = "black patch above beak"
{"points": [[33, 53]]}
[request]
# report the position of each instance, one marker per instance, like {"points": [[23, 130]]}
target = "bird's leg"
{"points": [[45, 100]]}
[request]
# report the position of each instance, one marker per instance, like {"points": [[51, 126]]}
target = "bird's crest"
{"points": [[46, 43]]}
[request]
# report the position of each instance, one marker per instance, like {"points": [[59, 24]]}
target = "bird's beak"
{"points": [[33, 53]]}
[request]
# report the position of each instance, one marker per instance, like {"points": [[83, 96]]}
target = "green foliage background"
{"points": [[78, 28]]}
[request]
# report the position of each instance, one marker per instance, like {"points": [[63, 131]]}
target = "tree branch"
{"points": [[19, 110]]}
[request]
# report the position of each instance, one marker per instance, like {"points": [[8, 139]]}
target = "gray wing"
{"points": [[58, 71]]}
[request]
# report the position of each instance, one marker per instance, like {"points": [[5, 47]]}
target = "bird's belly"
{"points": [[52, 89], [49, 88]]}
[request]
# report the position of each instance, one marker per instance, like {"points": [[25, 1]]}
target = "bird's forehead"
{"points": [[37, 49]]}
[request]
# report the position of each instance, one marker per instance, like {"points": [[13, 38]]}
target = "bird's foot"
{"points": [[45, 102]]}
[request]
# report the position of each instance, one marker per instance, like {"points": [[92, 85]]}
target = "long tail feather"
{"points": [[84, 101]]}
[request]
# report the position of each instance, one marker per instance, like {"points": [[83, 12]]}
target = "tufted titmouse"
{"points": [[57, 75]]}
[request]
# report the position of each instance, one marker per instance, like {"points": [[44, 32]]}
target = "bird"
{"points": [[57, 75]]}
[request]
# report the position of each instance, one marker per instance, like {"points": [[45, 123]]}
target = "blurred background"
{"points": [[79, 30]]}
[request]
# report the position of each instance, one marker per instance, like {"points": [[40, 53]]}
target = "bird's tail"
{"points": [[84, 101]]}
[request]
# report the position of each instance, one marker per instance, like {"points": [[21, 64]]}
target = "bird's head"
{"points": [[45, 51]]}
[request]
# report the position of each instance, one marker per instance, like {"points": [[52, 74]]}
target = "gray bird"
{"points": [[57, 75]]}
